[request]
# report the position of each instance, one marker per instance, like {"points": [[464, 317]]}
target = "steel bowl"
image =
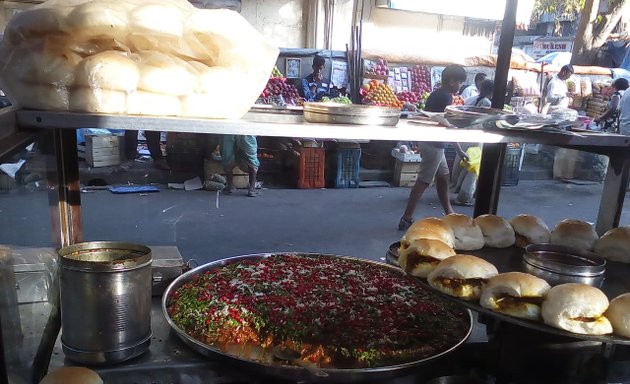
{"points": [[334, 113], [296, 373], [559, 264], [469, 116]]}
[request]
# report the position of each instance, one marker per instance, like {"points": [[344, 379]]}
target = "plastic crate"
{"points": [[348, 168], [512, 165], [311, 168]]}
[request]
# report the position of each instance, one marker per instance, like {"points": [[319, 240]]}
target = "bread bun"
{"points": [[33, 64], [72, 375], [165, 74], [497, 232], [38, 96], [577, 308], [618, 314], [99, 19], [462, 276], [468, 235], [108, 70], [429, 228], [149, 103], [97, 100], [157, 20], [36, 23], [514, 293], [423, 255], [574, 233], [529, 229], [614, 245]]}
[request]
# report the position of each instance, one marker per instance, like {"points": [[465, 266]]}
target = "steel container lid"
{"points": [[104, 256]]}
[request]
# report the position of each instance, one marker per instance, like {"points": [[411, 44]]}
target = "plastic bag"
{"points": [[474, 160], [586, 86], [155, 57]]}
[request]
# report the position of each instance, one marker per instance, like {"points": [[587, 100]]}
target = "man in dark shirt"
{"points": [[433, 165], [313, 85]]}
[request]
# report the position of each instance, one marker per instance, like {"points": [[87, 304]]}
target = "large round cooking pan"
{"points": [[296, 373]]}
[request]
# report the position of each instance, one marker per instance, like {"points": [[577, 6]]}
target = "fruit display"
{"points": [[408, 97], [276, 72], [380, 94], [421, 79], [458, 100], [278, 86], [338, 100], [422, 103], [377, 68]]}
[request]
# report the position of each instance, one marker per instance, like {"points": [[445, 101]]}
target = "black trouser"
{"points": [[153, 143]]}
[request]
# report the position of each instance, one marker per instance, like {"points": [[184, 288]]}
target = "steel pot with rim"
{"points": [[105, 290]]}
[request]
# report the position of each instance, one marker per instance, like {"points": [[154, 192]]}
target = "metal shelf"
{"points": [[293, 125]]}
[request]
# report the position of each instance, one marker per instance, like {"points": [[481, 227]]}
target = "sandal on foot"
{"points": [[251, 193], [404, 224], [462, 203]]}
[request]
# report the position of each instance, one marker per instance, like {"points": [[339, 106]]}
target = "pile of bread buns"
{"points": [[141, 57], [429, 250]]}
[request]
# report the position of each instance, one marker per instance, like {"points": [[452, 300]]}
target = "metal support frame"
{"points": [[492, 155], [64, 189], [613, 193]]}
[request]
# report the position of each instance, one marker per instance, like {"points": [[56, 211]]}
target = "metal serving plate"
{"points": [[509, 259], [334, 113], [467, 116], [295, 373]]}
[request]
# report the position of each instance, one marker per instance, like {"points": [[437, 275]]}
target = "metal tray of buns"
{"points": [[510, 259], [334, 113]]}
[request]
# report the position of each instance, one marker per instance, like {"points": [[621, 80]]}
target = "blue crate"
{"points": [[348, 168], [512, 166]]}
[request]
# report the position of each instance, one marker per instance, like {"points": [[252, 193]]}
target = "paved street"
{"points": [[358, 222]]}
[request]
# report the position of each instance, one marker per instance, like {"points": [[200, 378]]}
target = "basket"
{"points": [[512, 165], [311, 168], [348, 168]]}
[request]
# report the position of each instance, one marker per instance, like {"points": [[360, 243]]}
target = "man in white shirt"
{"points": [[624, 114], [557, 91], [473, 90]]}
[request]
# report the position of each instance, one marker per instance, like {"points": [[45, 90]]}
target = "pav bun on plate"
{"points": [[462, 276], [497, 232], [423, 255], [468, 236], [577, 308], [529, 229], [618, 313], [614, 245], [72, 375], [428, 228], [516, 294], [575, 234]]}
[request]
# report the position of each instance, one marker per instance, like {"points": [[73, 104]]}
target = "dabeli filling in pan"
{"points": [[336, 312]]}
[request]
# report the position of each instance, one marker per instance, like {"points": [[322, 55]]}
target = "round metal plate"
{"points": [[506, 260], [296, 373]]}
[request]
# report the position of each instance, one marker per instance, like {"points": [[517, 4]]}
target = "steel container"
{"points": [[333, 113], [559, 264], [105, 290]]}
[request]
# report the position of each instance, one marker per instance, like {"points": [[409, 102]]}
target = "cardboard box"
{"points": [[241, 179], [406, 173], [103, 150]]}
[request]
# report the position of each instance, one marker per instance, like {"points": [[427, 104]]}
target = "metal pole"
{"points": [[493, 154]]}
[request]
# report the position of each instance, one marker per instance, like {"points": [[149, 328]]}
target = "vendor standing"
{"points": [[557, 90], [313, 85]]}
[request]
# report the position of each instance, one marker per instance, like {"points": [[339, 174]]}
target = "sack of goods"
{"points": [[140, 57]]}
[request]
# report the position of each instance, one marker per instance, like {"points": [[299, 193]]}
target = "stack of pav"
{"points": [[428, 250], [146, 57]]}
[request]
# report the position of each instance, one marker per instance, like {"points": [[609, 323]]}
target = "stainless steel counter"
{"points": [[170, 361]]}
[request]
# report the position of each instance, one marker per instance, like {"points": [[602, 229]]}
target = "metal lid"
{"points": [[104, 256], [564, 260]]}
